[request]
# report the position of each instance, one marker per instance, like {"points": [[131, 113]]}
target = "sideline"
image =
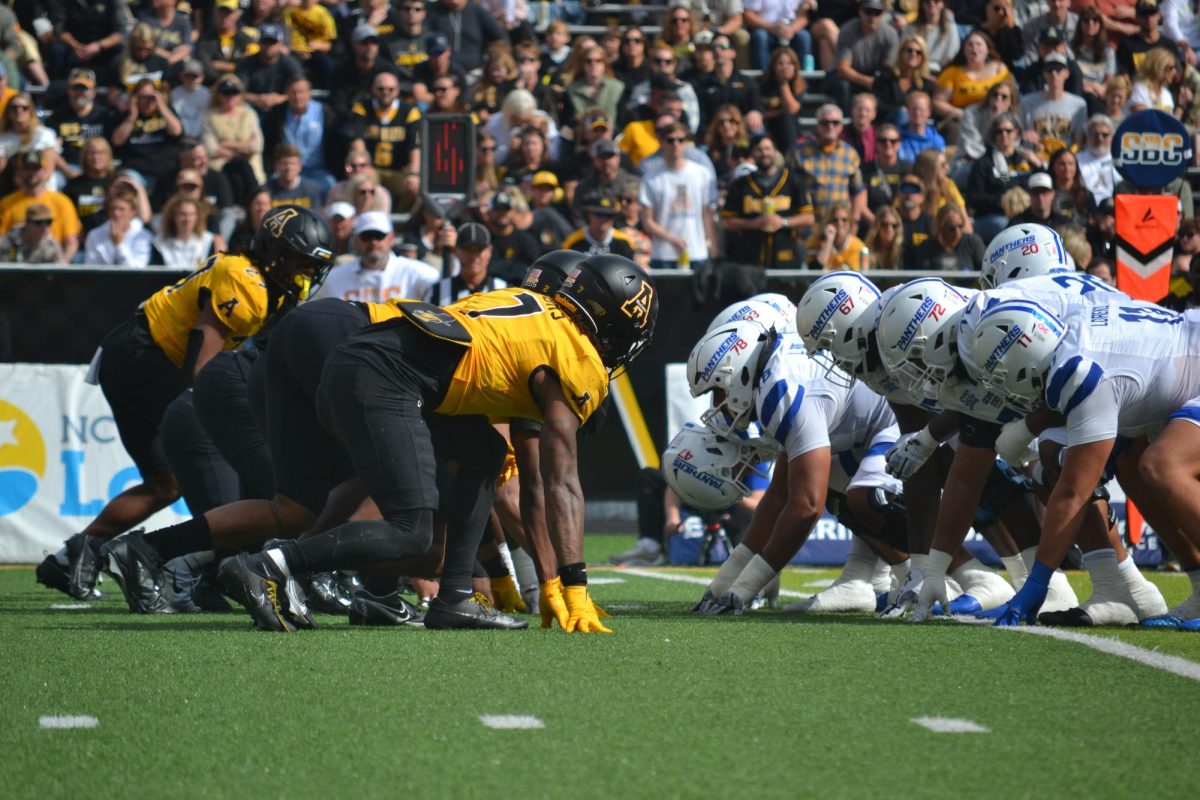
{"points": [[1113, 647]]}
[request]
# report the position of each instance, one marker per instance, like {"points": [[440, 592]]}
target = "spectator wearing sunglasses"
{"points": [[910, 205], [727, 85], [882, 176], [663, 67], [679, 203], [30, 242], [832, 166]]}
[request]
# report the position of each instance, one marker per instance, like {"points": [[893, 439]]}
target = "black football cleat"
{"points": [[83, 555], [1068, 618], [137, 569], [475, 612], [392, 609], [53, 575], [325, 595], [258, 586]]}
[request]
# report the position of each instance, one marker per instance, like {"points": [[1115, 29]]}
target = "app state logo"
{"points": [[22, 458], [638, 307], [278, 221]]}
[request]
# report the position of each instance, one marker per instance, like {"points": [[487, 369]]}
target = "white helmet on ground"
{"points": [[708, 472], [1013, 344], [1023, 251], [922, 316], [727, 362]]}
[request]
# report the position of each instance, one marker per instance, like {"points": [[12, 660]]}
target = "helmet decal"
{"points": [[637, 308], [278, 221]]}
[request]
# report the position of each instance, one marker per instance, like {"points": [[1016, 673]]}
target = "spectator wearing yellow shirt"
{"points": [[312, 31], [977, 68], [833, 246], [639, 139], [31, 182]]}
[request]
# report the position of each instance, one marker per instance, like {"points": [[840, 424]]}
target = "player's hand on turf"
{"points": [[1028, 601], [582, 615], [507, 596], [551, 603], [910, 453], [705, 603], [907, 599], [933, 590]]}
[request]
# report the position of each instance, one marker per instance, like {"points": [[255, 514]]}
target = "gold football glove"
{"points": [[551, 604], [584, 616], [508, 599]]}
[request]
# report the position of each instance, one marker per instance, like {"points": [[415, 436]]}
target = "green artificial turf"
{"points": [[769, 705]]}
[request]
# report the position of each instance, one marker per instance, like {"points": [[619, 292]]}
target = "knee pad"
{"points": [[414, 532]]}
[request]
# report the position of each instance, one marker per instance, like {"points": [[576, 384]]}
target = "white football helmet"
{"points": [[709, 472], [1013, 344], [727, 362], [764, 313], [830, 305], [921, 317], [782, 304], [1023, 251], [856, 351]]}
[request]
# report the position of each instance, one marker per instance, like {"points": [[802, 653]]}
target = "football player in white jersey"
{"points": [[831, 435], [1122, 368]]}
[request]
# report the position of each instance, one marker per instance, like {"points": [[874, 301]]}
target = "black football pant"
{"points": [[222, 400]]}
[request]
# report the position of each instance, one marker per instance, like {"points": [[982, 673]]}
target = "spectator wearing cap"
{"points": [[85, 34], [30, 242], [727, 85], [642, 100], [865, 45], [678, 207], [78, 119], [773, 21], [123, 240], [358, 66], [341, 215], [311, 126], [629, 221], [593, 126], [439, 65], [1095, 159], [1052, 41], [594, 86], [513, 249], [312, 33], [184, 239], [1059, 16], [763, 214], [1041, 204], [214, 186], [191, 98], [1053, 118], [469, 29], [910, 206], [550, 225], [405, 45], [598, 236], [287, 185], [378, 274], [386, 127], [266, 73], [1149, 35], [138, 60], [472, 255], [232, 131], [833, 168], [384, 16], [174, 40], [606, 172], [147, 140], [224, 43]]}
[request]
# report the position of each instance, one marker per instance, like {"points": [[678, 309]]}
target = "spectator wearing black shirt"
{"points": [[147, 140], [1133, 49], [406, 46], [883, 174], [80, 118], [215, 187], [917, 224], [226, 41], [606, 173], [550, 225], [765, 209], [632, 65], [86, 34], [358, 66], [386, 19], [1041, 204], [729, 86], [950, 248], [598, 236], [469, 29], [267, 72], [513, 250], [385, 126], [87, 189], [473, 253], [287, 186], [1102, 230], [137, 60], [440, 64]]}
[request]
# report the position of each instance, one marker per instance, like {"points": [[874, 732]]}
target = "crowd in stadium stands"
{"points": [[722, 135]]}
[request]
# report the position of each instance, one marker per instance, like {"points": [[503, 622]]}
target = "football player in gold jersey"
{"points": [[496, 355], [144, 363]]}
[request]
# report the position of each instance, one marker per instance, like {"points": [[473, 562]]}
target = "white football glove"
{"points": [[933, 588], [908, 595], [910, 452], [1015, 444]]}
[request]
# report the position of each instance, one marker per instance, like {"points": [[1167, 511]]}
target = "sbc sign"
{"points": [[1151, 148]]}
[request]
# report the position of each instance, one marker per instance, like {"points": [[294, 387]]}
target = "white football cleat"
{"points": [[849, 596], [1060, 596]]}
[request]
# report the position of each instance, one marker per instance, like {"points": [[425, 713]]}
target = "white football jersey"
{"points": [[1123, 368]]}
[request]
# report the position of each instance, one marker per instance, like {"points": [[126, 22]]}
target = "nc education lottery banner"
{"points": [[60, 459]]}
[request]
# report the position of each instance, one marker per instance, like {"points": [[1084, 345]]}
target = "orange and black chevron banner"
{"points": [[1146, 228]]}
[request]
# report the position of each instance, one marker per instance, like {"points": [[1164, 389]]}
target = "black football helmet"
{"points": [[610, 298], [548, 272], [294, 247]]}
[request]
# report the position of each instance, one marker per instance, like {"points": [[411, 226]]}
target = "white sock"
{"points": [[730, 570], [1107, 583], [919, 563], [860, 563], [899, 575], [881, 578], [1017, 571], [938, 562], [757, 574], [277, 558], [524, 569]]}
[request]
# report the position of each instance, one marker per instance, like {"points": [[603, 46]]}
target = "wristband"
{"points": [[573, 574]]}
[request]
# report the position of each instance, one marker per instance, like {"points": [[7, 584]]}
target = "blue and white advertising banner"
{"points": [[60, 459]]}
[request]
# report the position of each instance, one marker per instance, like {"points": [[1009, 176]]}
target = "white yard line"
{"points": [[63, 723], [1175, 665], [70, 606], [949, 725], [508, 722]]}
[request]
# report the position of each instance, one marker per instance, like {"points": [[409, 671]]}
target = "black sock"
{"points": [[192, 536]]}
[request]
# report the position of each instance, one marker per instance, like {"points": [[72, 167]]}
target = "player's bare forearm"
{"points": [[533, 504], [564, 495], [1070, 499], [964, 487]]}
